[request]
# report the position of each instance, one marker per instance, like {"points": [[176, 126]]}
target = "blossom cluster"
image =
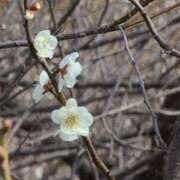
{"points": [[73, 120]]}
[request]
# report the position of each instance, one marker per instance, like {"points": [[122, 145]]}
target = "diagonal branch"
{"points": [[146, 98], [163, 44]]}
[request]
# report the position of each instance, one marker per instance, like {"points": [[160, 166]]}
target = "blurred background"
{"points": [[123, 131]]}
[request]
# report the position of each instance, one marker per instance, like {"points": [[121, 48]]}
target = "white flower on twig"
{"points": [[45, 44], [73, 120], [69, 70], [42, 87]]}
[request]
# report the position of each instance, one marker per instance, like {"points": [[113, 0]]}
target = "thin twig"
{"points": [[100, 30], [96, 159], [163, 44], [54, 25], [71, 9], [146, 98]]}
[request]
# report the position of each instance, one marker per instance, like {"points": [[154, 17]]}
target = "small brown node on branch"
{"points": [[47, 87], [62, 71]]}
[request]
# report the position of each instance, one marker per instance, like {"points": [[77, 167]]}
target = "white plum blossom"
{"points": [[39, 172], [73, 120], [45, 44], [42, 87], [69, 70]]}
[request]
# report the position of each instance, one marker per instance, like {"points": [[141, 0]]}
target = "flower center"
{"points": [[72, 120], [43, 42]]}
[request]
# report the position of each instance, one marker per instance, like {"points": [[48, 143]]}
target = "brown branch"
{"points": [[157, 14], [54, 25], [100, 30], [140, 164], [96, 159], [172, 165], [146, 98], [14, 82], [23, 43], [71, 9], [163, 44], [85, 45]]}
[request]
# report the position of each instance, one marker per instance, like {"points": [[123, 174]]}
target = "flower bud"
{"points": [[29, 14], [35, 6]]}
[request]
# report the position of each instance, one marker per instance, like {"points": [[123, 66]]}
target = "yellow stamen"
{"points": [[72, 120]]}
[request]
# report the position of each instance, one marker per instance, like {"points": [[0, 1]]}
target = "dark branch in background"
{"points": [[172, 165], [98, 24], [160, 12], [54, 25], [71, 9], [11, 44], [167, 48], [140, 164], [96, 158], [112, 26], [15, 81], [146, 98], [100, 30], [52, 14], [105, 28]]}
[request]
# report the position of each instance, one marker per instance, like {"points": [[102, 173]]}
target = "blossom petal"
{"points": [[43, 78], [49, 96], [45, 44], [77, 68], [67, 134], [45, 53], [37, 93], [52, 42], [69, 59], [85, 117], [81, 131], [59, 115], [70, 80], [71, 103], [60, 84], [43, 33], [39, 37]]}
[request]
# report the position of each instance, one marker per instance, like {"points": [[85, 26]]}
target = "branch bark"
{"points": [[172, 165]]}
